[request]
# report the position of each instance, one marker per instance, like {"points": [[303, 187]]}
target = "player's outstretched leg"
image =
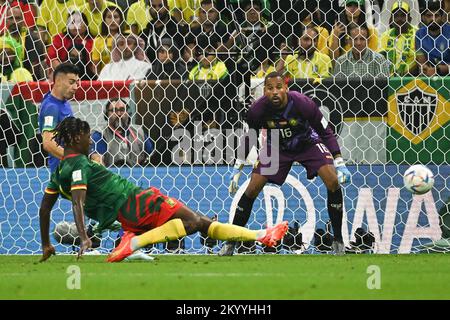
{"points": [[171, 230], [335, 205], [185, 221], [244, 209]]}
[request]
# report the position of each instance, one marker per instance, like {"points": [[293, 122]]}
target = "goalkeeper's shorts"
{"points": [[146, 210], [312, 158]]}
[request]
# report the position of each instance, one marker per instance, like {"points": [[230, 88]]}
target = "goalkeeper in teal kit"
{"points": [[147, 216], [305, 137]]}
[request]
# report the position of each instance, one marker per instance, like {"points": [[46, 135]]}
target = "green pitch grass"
{"points": [[424, 276]]}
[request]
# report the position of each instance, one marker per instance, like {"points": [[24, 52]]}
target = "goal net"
{"points": [[188, 70]]}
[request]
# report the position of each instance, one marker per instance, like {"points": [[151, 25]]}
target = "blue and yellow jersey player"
{"points": [[55, 108], [147, 216], [302, 135]]}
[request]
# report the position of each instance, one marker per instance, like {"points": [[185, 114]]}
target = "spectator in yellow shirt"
{"points": [[267, 66], [11, 69], [353, 15], [93, 11], [398, 43], [138, 16], [53, 16], [209, 66], [112, 25], [33, 49], [314, 19], [184, 11], [308, 62]]}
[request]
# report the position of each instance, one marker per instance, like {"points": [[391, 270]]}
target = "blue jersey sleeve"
{"points": [[99, 144], [48, 117]]}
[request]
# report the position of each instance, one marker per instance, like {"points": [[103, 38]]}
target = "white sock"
{"points": [[261, 233], [134, 243]]}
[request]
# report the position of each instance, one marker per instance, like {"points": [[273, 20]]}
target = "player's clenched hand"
{"points": [[85, 245], [47, 252], [234, 177], [342, 171]]}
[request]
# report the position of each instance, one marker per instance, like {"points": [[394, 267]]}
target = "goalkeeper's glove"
{"points": [[235, 175], [342, 171]]}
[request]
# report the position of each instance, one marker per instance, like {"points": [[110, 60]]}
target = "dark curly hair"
{"points": [[67, 129]]}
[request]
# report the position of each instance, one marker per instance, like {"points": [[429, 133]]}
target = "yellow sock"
{"points": [[231, 232], [171, 230]]}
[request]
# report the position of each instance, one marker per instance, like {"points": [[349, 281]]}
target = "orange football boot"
{"points": [[123, 250], [274, 234]]}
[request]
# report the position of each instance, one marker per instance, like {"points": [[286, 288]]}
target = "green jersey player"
{"points": [[147, 216]]}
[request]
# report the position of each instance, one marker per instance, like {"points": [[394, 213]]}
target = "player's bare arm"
{"points": [[47, 203], [78, 199]]}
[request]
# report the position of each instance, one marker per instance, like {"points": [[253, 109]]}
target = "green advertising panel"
{"points": [[418, 120]]}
